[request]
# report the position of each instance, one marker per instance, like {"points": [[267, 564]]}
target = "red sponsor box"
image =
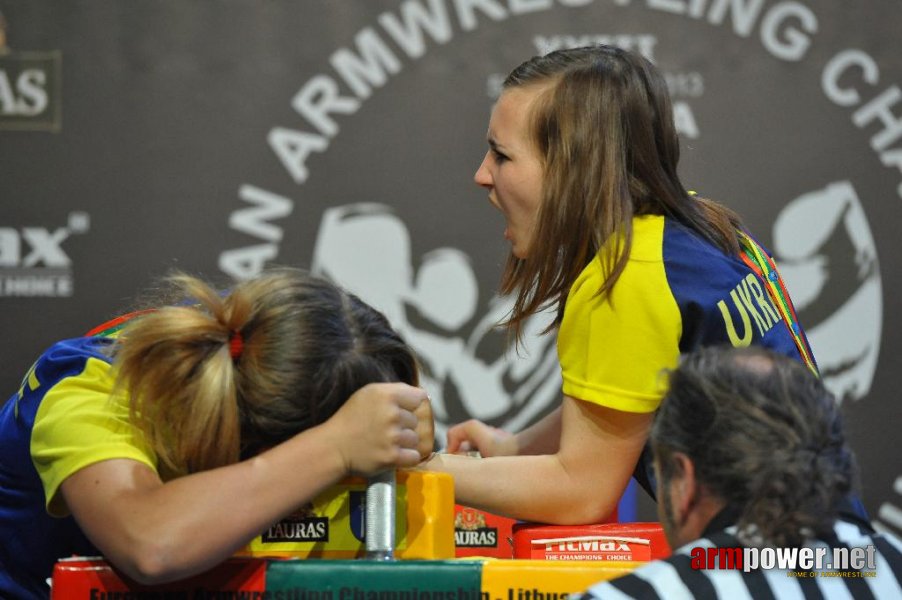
{"points": [[636, 542], [86, 578], [479, 533]]}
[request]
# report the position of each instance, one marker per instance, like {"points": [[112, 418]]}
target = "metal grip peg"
{"points": [[380, 516]]}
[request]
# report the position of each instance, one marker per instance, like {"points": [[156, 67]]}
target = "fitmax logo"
{"points": [[33, 262]]}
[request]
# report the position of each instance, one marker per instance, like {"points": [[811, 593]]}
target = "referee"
{"points": [[751, 462]]}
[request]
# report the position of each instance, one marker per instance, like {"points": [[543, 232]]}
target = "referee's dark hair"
{"points": [[765, 436]]}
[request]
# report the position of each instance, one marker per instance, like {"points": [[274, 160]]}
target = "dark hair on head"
{"points": [[306, 346], [603, 124], [764, 435]]}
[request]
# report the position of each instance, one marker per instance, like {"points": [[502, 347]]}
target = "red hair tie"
{"points": [[236, 345]]}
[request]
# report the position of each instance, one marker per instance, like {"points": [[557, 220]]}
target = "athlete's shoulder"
{"points": [[68, 357], [682, 242], [77, 348], [60, 362]]}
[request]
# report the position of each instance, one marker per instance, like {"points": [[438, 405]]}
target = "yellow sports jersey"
{"points": [[677, 292], [62, 419], [79, 423]]}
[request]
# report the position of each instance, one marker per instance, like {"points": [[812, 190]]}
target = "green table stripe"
{"points": [[374, 580]]}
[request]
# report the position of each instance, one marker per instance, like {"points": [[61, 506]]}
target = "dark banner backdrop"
{"points": [[218, 137]]}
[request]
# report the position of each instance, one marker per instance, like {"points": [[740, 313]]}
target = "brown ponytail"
{"points": [[306, 346], [181, 379]]}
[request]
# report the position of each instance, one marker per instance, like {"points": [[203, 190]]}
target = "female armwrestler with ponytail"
{"points": [[169, 443]]}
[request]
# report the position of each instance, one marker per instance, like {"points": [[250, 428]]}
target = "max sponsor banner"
{"points": [[220, 138], [629, 542]]}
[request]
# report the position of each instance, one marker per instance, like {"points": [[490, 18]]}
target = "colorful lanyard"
{"points": [[765, 268], [114, 325]]}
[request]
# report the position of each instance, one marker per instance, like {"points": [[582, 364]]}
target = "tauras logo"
{"points": [[29, 88], [470, 530], [484, 537], [33, 262], [309, 529], [24, 93]]}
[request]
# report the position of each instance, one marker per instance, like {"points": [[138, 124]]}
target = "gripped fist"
{"points": [[474, 435], [378, 428]]}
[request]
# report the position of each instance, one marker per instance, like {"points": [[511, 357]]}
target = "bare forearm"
{"points": [[192, 523], [580, 482], [251, 495], [543, 437], [533, 488]]}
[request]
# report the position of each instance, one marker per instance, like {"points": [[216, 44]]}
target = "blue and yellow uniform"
{"points": [[62, 419], [677, 292]]}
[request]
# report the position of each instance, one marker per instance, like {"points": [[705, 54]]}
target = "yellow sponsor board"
{"points": [[332, 525], [522, 579]]}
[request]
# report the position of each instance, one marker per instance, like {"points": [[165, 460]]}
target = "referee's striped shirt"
{"points": [[675, 578]]}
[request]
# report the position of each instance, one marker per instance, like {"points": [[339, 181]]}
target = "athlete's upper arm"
{"points": [[103, 498], [600, 447]]}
